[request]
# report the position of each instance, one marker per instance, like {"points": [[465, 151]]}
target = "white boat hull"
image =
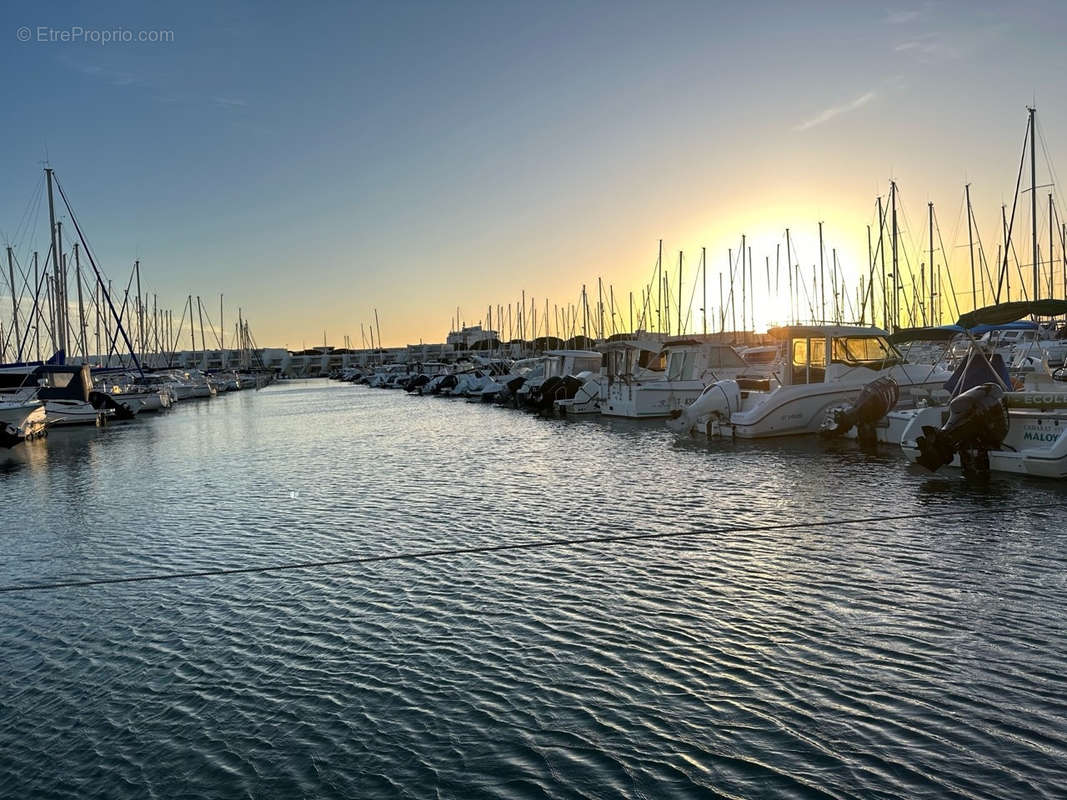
{"points": [[587, 400], [649, 400], [802, 409], [154, 401], [20, 421], [189, 391], [73, 412], [1036, 443]]}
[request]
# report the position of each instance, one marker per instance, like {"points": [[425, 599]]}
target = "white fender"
{"points": [[721, 399]]}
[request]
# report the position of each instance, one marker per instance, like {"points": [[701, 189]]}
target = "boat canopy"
{"points": [[823, 331], [1010, 312], [576, 353], [941, 333], [631, 344], [978, 330], [58, 357]]}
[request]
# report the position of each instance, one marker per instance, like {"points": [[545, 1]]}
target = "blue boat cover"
{"points": [[976, 371]]}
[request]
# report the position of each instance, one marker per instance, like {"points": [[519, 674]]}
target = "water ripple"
{"points": [[916, 658]]}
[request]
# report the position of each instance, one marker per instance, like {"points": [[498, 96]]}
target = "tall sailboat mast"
{"points": [[659, 288], [881, 256], [789, 269], [822, 280], [930, 207], [733, 305], [680, 331], [1051, 252], [896, 263], [14, 303], [1033, 202], [970, 245], [55, 247], [704, 271]]}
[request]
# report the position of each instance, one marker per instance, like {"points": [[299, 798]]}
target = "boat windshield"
{"points": [[725, 357], [680, 366], [655, 362], [57, 380], [761, 356], [586, 364], [868, 351]]}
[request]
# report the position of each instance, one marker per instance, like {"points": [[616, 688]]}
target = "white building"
{"points": [[465, 338]]}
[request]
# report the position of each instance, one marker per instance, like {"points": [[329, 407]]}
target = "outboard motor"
{"points": [[571, 385], [566, 389], [102, 401], [874, 401], [977, 423], [507, 395], [447, 382], [416, 383], [544, 395], [718, 401]]}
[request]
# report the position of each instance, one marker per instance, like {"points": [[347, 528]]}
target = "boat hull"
{"points": [[21, 421], [801, 409], [73, 412], [655, 399], [1036, 443]]}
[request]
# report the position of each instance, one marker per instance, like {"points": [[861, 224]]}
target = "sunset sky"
{"points": [[315, 161]]}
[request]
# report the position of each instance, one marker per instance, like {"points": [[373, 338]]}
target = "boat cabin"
{"points": [[571, 362], [54, 381], [626, 359], [691, 359], [815, 349]]}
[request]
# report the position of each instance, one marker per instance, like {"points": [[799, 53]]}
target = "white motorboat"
{"points": [[989, 425], [74, 412], [504, 388], [690, 366], [828, 365], [22, 416], [622, 360], [188, 385], [65, 390], [1033, 442], [564, 372]]}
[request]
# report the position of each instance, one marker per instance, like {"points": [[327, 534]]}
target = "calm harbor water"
{"points": [[921, 657]]}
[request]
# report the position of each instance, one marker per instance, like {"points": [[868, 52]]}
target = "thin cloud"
{"points": [[951, 45], [158, 92], [835, 111], [114, 77], [902, 17], [929, 47]]}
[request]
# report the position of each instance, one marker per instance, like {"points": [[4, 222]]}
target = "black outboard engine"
{"points": [[448, 382], [570, 388], [874, 401], [506, 396], [102, 401], [977, 423], [543, 396], [416, 383], [558, 387]]}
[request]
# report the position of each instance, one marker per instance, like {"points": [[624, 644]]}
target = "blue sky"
{"points": [[315, 162]]}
